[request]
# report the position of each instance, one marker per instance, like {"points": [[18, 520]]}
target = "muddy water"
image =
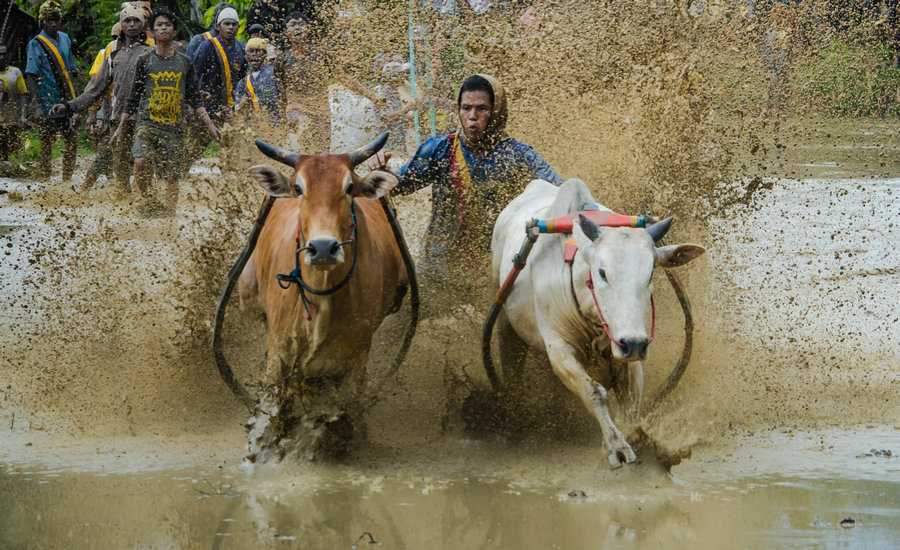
{"points": [[834, 493]]}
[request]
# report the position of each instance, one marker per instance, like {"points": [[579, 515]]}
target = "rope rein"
{"points": [[296, 276]]}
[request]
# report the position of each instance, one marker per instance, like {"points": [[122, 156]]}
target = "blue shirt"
{"points": [[212, 80], [38, 64], [195, 42], [498, 176], [268, 92]]}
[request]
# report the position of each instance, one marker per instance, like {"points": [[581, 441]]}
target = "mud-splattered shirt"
{"points": [[162, 86]]}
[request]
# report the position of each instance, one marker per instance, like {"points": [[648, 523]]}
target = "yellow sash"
{"points": [[225, 69], [460, 172], [59, 61], [252, 94]]}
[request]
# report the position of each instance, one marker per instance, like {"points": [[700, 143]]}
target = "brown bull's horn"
{"points": [[366, 151], [278, 153], [658, 230]]}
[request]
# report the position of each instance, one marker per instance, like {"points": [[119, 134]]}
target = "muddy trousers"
{"points": [[198, 137], [10, 140], [47, 131], [121, 156]]}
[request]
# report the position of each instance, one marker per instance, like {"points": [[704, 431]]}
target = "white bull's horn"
{"points": [[277, 153], [659, 229], [366, 151]]}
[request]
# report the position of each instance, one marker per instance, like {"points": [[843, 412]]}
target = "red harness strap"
{"points": [[570, 251]]}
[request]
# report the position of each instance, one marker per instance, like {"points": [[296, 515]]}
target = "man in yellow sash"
{"points": [[474, 172], [49, 73], [220, 64], [259, 92]]}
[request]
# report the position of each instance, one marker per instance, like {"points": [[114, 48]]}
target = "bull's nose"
{"points": [[323, 251], [633, 348]]}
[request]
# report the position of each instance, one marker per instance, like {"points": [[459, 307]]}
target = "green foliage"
{"points": [[853, 80]]}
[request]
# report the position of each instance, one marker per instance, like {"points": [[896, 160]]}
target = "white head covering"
{"points": [[228, 13]]}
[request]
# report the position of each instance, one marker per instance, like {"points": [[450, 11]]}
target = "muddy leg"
{"points": [[629, 388], [47, 138], [142, 174], [592, 395], [171, 193], [70, 136]]}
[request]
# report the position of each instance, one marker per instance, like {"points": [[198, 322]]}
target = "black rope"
{"points": [[296, 276]]}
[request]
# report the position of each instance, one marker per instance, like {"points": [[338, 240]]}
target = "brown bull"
{"points": [[320, 328]]}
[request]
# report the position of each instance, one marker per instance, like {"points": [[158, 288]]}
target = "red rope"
{"points": [[590, 284]]}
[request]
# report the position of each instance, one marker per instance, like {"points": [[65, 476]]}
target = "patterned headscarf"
{"points": [[48, 8], [132, 9]]}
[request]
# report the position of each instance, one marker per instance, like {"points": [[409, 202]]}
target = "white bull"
{"points": [[551, 306]]}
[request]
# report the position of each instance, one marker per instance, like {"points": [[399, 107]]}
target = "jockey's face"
{"points": [[475, 113]]}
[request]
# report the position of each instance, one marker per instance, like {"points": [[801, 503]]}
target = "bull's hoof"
{"points": [[621, 456]]}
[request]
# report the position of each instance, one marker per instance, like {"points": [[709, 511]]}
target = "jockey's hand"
{"points": [[378, 161]]}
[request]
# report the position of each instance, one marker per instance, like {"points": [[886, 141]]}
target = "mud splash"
{"points": [[106, 321]]}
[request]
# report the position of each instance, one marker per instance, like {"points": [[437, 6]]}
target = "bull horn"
{"points": [[658, 230], [277, 153], [366, 151]]}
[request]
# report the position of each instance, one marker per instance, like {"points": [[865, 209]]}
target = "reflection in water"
{"points": [[331, 507]]}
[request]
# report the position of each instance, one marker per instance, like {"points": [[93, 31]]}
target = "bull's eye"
{"points": [[602, 274], [350, 188]]}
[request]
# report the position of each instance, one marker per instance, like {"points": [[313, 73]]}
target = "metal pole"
{"points": [[428, 80], [412, 71]]}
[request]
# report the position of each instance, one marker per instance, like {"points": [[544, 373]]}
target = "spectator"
{"points": [[220, 63], [48, 74], [97, 123], [13, 106], [303, 72], [259, 92], [117, 74], [198, 39], [257, 31], [271, 16], [164, 80]]}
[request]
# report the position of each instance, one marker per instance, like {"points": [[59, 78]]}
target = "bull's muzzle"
{"points": [[324, 252], [633, 348]]}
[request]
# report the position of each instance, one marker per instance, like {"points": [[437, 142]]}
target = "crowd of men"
{"points": [[154, 104]]}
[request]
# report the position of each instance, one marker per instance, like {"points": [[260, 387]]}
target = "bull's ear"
{"points": [[377, 184], [675, 255], [273, 181]]}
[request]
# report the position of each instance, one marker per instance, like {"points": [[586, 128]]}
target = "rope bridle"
{"points": [[589, 282], [296, 276]]}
